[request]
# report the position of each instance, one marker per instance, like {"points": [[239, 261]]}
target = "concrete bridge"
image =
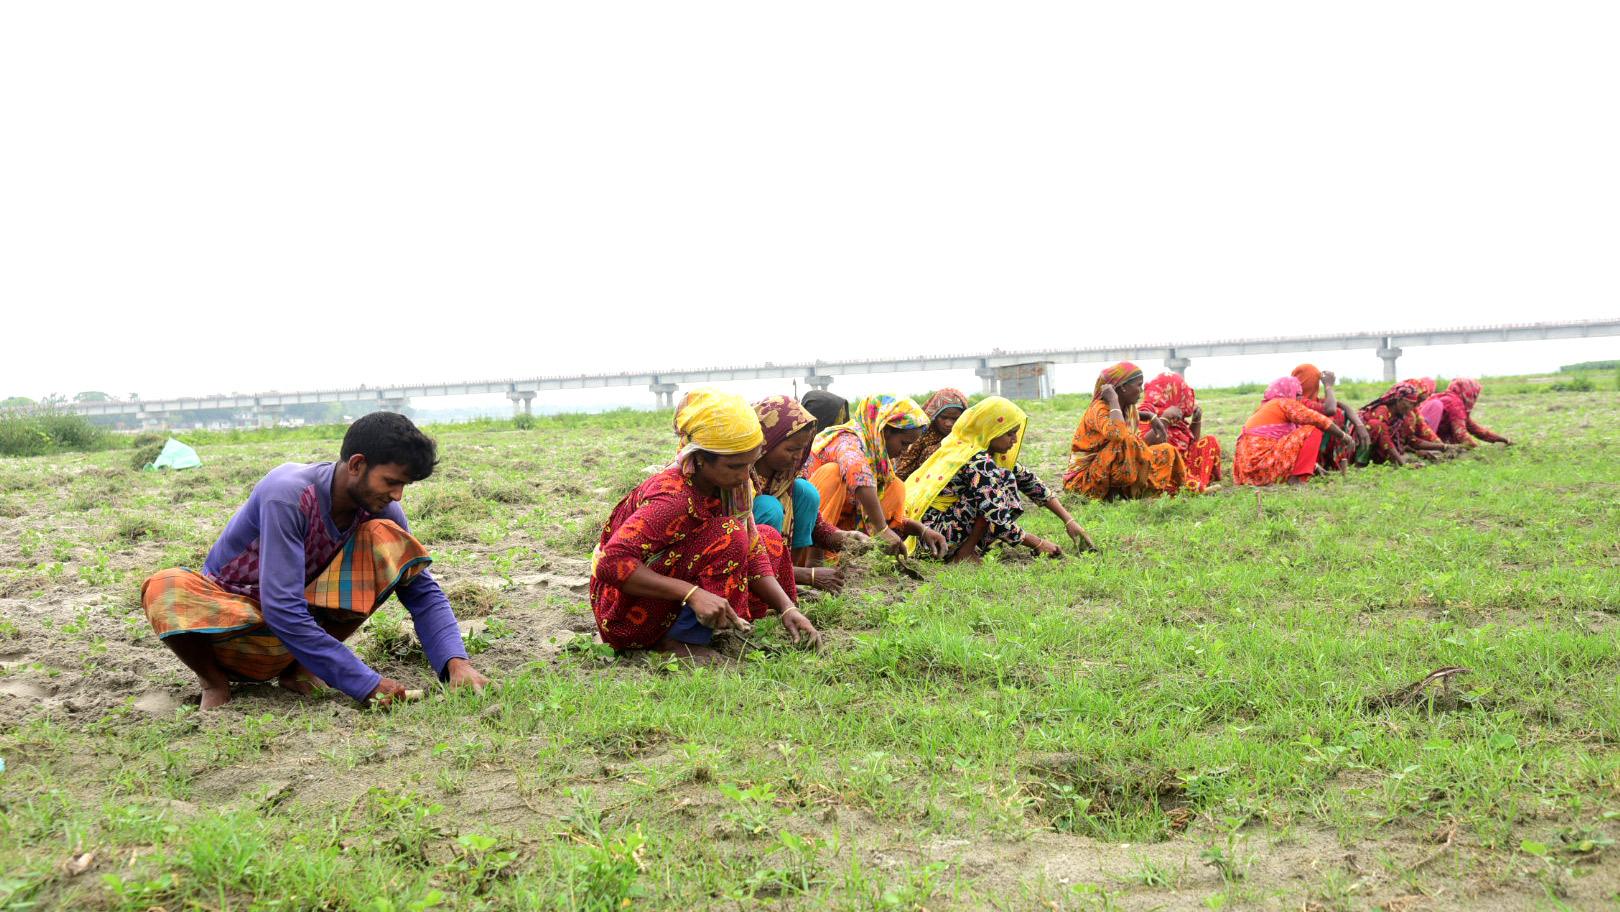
{"points": [[1022, 371]]}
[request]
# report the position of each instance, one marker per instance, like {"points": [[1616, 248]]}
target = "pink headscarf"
{"points": [[1284, 388]]}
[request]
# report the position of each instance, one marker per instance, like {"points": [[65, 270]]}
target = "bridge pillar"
{"points": [[990, 379], [267, 416], [1389, 353], [818, 381], [664, 394], [522, 402], [1176, 364], [396, 404]]}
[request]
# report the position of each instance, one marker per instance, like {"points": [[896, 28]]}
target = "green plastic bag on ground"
{"points": [[176, 455]]}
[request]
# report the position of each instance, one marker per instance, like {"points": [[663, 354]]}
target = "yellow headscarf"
{"points": [[868, 419], [972, 434], [717, 422]]}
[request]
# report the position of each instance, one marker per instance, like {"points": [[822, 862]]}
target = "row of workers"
{"points": [[1145, 439], [760, 498]]}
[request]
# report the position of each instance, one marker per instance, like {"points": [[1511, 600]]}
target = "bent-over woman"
{"points": [[1420, 436], [1282, 439], [968, 489], [1451, 415], [1392, 435], [942, 409], [1111, 457], [787, 503], [1168, 397], [851, 465], [681, 555]]}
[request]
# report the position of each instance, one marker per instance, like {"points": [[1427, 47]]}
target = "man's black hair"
{"points": [[389, 437]]}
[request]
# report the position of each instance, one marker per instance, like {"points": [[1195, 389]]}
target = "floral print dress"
{"points": [[984, 489]]}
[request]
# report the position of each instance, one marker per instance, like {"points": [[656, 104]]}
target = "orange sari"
{"points": [[1276, 441], [1110, 459]]}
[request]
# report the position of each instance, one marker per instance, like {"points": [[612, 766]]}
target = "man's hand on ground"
{"points": [[387, 693], [460, 673]]}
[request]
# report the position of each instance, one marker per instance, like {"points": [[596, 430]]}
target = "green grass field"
{"points": [[1205, 715]]}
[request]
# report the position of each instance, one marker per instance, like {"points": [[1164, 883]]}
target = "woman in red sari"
{"points": [[1451, 415], [1170, 398], [1336, 454], [681, 557], [1282, 439], [1420, 435], [1393, 436]]}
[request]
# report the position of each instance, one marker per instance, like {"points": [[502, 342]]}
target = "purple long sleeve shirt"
{"points": [[281, 539]]}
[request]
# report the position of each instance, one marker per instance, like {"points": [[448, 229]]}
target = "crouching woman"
{"points": [[681, 556], [968, 490]]}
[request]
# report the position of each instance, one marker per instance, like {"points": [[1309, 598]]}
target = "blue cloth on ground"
{"points": [[688, 629]]}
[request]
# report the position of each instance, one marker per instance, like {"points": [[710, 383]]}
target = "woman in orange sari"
{"points": [[1111, 457], [1282, 439], [851, 465], [1317, 393], [1169, 397]]}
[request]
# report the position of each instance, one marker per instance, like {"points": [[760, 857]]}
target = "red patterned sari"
{"points": [[1202, 454], [666, 524]]}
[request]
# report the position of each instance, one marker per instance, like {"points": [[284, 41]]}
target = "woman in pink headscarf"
{"points": [[1451, 415], [1283, 438]]}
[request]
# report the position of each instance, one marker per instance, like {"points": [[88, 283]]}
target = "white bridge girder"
{"points": [[1183, 353]]}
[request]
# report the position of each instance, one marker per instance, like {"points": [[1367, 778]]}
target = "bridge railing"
{"points": [[1389, 346]]}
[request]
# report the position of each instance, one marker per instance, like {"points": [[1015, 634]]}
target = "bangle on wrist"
{"points": [[687, 597], [812, 576]]}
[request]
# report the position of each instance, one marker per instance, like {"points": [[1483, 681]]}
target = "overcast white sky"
{"points": [[204, 197]]}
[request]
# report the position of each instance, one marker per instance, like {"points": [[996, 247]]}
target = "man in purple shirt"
{"points": [[312, 553]]}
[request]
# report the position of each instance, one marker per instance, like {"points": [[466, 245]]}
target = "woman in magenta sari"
{"points": [[1451, 415]]}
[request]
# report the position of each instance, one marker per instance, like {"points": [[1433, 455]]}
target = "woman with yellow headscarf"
{"points": [[852, 466], [680, 556], [1110, 456], [967, 491]]}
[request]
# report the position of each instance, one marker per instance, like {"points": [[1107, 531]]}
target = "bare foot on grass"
{"points": [[697, 655], [299, 681], [215, 696]]}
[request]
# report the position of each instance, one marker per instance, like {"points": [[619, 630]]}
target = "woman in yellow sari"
{"points": [[1111, 458], [851, 465], [967, 491]]}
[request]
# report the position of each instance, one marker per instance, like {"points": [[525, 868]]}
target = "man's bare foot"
{"points": [[299, 681], [215, 696], [697, 655]]}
